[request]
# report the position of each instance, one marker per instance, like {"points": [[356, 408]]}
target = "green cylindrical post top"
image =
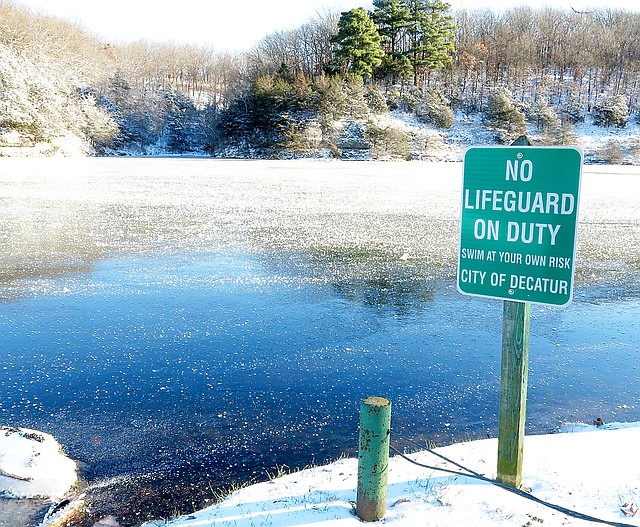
{"points": [[373, 458]]}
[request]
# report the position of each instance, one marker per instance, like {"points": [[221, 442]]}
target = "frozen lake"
{"points": [[180, 323]]}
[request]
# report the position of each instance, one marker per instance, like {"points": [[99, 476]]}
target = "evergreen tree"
{"points": [[183, 124], [139, 117], [392, 19], [432, 36], [544, 115], [358, 43]]}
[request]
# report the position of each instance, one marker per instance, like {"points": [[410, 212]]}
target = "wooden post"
{"points": [[373, 458], [513, 383], [513, 391]]}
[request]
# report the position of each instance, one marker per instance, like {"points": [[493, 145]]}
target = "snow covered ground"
{"points": [[32, 465], [33, 473], [595, 474]]}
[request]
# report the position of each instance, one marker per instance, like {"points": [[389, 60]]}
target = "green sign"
{"points": [[519, 223]]}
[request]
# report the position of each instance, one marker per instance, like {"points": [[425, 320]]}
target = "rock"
{"points": [[32, 465]]}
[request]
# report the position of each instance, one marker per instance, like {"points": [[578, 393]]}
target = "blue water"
{"points": [[234, 362]]}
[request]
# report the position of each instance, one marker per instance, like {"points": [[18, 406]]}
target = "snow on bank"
{"points": [[32, 465], [596, 474]]}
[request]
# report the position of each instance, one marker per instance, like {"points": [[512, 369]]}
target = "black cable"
{"points": [[474, 475]]}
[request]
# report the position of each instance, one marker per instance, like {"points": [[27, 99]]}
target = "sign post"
{"points": [[513, 391], [517, 243]]}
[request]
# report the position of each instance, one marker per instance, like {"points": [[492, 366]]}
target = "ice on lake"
{"points": [[197, 321]]}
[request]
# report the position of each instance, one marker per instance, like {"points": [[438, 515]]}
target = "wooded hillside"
{"points": [[308, 91]]}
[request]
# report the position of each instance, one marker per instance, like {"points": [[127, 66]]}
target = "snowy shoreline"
{"points": [[32, 465], [595, 474], [600, 145]]}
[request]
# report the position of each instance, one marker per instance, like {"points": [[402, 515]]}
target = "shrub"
{"points": [[611, 153], [299, 137], [571, 107], [544, 115], [332, 101], [388, 142], [503, 117], [611, 111], [561, 134], [426, 142], [354, 90], [375, 99], [438, 110], [98, 126], [433, 107]]}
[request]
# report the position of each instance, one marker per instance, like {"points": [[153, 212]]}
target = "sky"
{"points": [[233, 25]]}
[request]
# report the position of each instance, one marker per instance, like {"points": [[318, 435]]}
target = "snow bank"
{"points": [[594, 474], [32, 465]]}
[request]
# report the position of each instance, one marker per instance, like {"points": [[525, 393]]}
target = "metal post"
{"points": [[373, 458]]}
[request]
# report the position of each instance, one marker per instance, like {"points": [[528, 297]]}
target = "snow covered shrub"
{"points": [[409, 100], [553, 130], [426, 142], [375, 99], [300, 137], [98, 126], [503, 117], [332, 101], [388, 142], [432, 107], [611, 111], [355, 93], [571, 106], [560, 135], [634, 150], [437, 109], [611, 153], [543, 115], [29, 104]]}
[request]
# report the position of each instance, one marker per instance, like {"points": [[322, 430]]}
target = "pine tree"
{"points": [[431, 32], [358, 43], [438, 109], [392, 19]]}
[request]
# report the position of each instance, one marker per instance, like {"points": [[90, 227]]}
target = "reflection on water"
{"points": [[179, 324], [399, 298]]}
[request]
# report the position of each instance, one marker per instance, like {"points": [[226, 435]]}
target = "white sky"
{"points": [[231, 24]]}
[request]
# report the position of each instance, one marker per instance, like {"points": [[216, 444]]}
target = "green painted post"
{"points": [[373, 458], [513, 391]]}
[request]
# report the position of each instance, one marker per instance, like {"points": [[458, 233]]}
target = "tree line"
{"points": [[549, 68]]}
